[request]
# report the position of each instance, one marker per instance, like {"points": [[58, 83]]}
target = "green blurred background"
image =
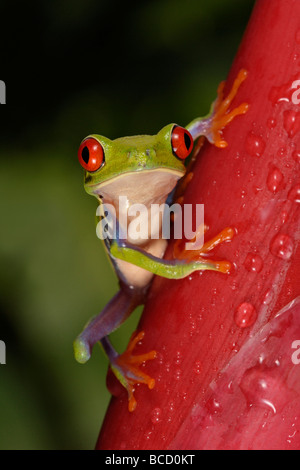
{"points": [[73, 68]]}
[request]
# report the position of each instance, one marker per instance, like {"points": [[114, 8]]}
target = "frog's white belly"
{"points": [[136, 276], [149, 188]]}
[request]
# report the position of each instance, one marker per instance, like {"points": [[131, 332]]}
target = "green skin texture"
{"points": [[146, 153], [169, 270]]}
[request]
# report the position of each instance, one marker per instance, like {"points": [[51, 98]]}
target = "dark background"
{"points": [[74, 68]]}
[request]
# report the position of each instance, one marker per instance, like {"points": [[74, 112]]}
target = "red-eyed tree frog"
{"points": [[144, 169]]}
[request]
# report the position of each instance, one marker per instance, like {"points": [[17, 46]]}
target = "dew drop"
{"points": [[253, 263], [213, 406], [245, 315], [291, 122], [178, 357], [281, 152], [184, 396], [171, 406], [271, 123], [274, 180], [296, 156], [284, 215], [254, 145], [294, 194], [282, 246], [234, 285], [257, 189], [148, 435], [156, 415], [262, 386], [229, 387], [267, 297]]}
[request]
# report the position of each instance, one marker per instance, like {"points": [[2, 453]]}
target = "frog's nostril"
{"points": [[150, 153]]}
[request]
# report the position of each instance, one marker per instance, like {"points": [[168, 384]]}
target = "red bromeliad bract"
{"points": [[227, 370]]}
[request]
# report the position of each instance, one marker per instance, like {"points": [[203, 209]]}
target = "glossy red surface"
{"points": [[222, 381]]}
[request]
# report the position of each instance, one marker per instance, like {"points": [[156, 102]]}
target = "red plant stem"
{"points": [[199, 325]]}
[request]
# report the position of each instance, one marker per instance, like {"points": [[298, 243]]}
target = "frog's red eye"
{"points": [[182, 142], [91, 154]]}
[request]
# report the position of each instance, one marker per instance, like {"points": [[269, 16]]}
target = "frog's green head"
{"points": [[138, 160]]}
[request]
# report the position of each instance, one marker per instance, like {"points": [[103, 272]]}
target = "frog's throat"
{"points": [[142, 177]]}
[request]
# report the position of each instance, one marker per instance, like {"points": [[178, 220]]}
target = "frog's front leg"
{"points": [[212, 125], [126, 366], [182, 266]]}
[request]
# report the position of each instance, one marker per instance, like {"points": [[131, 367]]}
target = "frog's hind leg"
{"points": [[109, 319], [125, 366]]}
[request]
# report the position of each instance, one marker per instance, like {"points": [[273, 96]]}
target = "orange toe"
{"points": [[221, 115], [201, 253], [127, 369]]}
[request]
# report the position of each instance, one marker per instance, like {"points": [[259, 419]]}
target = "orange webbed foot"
{"points": [[200, 254], [221, 116], [126, 369]]}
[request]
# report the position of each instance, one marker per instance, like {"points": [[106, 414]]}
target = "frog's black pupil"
{"points": [[85, 154], [187, 140]]}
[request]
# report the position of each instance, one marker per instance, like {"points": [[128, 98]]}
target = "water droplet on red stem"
{"points": [[271, 123], [274, 180], [294, 194], [245, 315], [291, 122], [254, 145], [253, 262], [261, 386], [282, 246], [296, 156]]}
